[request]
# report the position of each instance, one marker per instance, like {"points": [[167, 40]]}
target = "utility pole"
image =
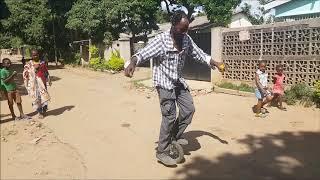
{"points": [[54, 42], [54, 33], [89, 48]]}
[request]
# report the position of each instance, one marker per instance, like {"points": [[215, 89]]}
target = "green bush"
{"points": [[94, 51], [317, 92], [299, 93], [241, 87], [73, 59], [290, 98], [115, 62], [96, 63]]}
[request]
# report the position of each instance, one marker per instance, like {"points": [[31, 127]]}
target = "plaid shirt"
{"points": [[168, 62]]}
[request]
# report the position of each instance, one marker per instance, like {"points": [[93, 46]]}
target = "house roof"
{"points": [[274, 4]]}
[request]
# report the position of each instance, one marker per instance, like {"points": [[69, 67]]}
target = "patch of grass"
{"points": [[242, 87], [138, 83], [300, 93]]}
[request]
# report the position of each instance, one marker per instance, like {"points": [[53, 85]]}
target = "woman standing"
{"points": [[36, 78]]}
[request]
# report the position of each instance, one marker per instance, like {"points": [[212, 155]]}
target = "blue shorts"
{"points": [[260, 95]]}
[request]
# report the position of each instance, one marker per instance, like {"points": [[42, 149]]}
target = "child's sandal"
{"points": [[25, 117], [264, 110], [17, 118], [261, 115], [282, 108]]}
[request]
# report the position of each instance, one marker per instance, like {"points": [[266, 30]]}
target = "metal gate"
{"points": [[193, 69]]}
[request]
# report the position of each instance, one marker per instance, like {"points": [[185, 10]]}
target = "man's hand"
{"points": [[129, 70], [219, 65]]}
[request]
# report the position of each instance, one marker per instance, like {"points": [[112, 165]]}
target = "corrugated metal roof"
{"points": [[275, 3]]}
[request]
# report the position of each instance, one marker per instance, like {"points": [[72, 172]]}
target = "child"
{"points": [[262, 92], [7, 81], [278, 89], [3, 92], [36, 77]]}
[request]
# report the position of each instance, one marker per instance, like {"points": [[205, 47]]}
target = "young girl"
{"points": [[278, 89], [36, 78], [262, 92]]}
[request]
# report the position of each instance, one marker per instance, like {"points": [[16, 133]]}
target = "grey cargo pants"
{"points": [[171, 126]]}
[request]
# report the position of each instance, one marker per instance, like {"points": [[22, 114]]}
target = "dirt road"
{"points": [[100, 127]]}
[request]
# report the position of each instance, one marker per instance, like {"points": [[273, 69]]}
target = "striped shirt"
{"points": [[168, 62]]}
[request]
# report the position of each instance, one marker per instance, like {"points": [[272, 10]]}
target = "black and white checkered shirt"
{"points": [[168, 62]]}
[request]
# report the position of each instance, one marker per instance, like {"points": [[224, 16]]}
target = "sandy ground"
{"points": [[100, 127]]}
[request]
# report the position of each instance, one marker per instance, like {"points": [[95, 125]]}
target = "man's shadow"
{"points": [[194, 144]]}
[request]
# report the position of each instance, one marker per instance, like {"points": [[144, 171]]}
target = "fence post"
{"points": [[216, 52], [124, 47]]}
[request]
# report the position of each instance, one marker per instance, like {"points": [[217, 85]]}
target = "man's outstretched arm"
{"points": [[153, 49], [198, 54]]}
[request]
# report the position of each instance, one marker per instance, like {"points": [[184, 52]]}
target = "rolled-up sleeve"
{"points": [[196, 53], [153, 49]]}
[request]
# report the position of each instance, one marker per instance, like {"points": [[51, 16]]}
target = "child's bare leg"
{"points": [[11, 110], [267, 100], [20, 109], [259, 105], [280, 103], [275, 100], [10, 104]]}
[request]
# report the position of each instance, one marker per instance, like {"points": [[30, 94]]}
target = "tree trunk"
{"points": [[167, 6], [190, 11]]}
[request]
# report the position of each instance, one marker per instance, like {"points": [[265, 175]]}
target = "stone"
{"points": [[19, 148], [39, 125], [4, 139], [35, 141]]}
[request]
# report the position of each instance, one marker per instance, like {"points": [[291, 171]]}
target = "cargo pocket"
{"points": [[168, 107]]}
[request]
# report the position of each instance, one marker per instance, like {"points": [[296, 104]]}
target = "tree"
{"points": [[162, 17], [87, 18], [4, 36], [219, 12], [133, 16], [59, 34], [259, 17], [104, 20], [27, 21]]}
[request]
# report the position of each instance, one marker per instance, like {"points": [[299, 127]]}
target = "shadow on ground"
{"points": [[193, 143], [59, 111], [54, 67], [54, 112], [286, 155]]}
